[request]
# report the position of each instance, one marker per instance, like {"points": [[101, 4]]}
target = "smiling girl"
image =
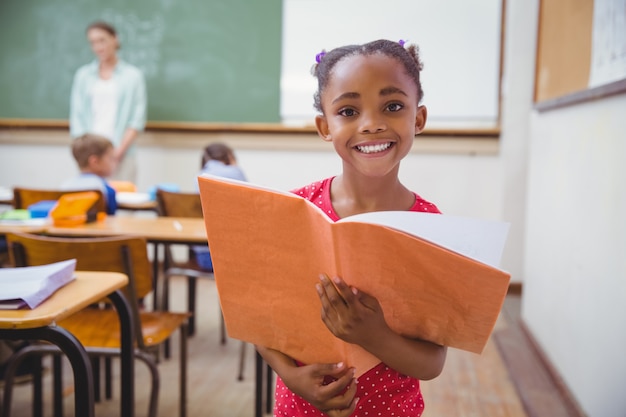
{"points": [[369, 102]]}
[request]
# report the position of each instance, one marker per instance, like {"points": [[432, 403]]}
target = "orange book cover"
{"points": [[269, 247]]}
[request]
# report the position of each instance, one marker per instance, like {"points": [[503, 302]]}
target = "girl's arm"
{"points": [[356, 317], [335, 398]]}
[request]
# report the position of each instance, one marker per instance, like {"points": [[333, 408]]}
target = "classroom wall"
{"points": [[458, 175], [557, 176], [574, 269]]}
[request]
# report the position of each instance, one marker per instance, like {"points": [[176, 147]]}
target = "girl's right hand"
{"points": [[331, 388]]}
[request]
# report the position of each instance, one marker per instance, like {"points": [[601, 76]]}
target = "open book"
{"points": [[269, 248], [30, 286]]}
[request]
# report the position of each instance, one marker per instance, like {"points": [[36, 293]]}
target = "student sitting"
{"points": [[96, 160], [219, 159]]}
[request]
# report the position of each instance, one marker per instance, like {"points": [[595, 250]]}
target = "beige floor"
{"points": [[471, 385]]}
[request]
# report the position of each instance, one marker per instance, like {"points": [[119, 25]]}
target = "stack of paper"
{"points": [[30, 286]]}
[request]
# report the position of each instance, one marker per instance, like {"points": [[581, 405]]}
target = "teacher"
{"points": [[109, 99]]}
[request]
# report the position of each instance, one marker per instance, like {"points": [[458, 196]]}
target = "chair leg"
{"points": [[154, 373], [167, 350], [242, 360], [108, 378], [269, 381], [223, 327], [191, 304], [37, 390], [165, 307], [183, 370], [57, 378], [95, 366], [165, 296], [9, 374], [258, 386]]}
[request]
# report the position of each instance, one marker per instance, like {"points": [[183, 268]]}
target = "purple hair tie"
{"points": [[402, 42], [319, 56]]}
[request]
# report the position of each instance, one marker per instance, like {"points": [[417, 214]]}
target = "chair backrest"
{"points": [[127, 255], [24, 197], [178, 204]]}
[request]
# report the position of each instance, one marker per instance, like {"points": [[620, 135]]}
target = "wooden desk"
{"points": [[40, 324], [154, 229], [7, 227], [160, 230]]}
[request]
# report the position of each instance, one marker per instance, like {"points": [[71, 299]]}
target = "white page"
{"points": [[34, 284], [37, 221], [481, 240]]}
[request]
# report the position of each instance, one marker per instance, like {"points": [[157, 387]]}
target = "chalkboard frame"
{"points": [[245, 128]]}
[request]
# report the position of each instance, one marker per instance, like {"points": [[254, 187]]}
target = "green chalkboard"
{"points": [[204, 60]]}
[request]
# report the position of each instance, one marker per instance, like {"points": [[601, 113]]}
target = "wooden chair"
{"points": [[98, 328], [24, 197], [177, 204], [180, 204]]}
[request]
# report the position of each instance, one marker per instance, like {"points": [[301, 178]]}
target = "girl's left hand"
{"points": [[351, 315]]}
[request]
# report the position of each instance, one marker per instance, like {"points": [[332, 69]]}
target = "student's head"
{"points": [[94, 154], [369, 96], [407, 56], [103, 40], [218, 152]]}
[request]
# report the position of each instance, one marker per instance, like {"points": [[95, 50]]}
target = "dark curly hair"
{"points": [[408, 56]]}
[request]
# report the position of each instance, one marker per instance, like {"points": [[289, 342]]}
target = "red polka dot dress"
{"points": [[381, 390]]}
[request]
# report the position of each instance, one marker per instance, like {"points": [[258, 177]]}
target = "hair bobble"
{"points": [[319, 56], [402, 42]]}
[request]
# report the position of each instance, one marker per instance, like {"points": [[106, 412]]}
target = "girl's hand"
{"points": [[328, 387], [349, 314], [357, 317]]}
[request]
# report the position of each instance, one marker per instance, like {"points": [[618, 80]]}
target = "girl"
{"points": [[369, 99], [219, 159], [109, 99]]}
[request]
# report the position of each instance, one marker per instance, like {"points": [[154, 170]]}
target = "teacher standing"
{"points": [[109, 99]]}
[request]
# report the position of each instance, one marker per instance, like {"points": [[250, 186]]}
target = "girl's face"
{"points": [[371, 113], [103, 44]]}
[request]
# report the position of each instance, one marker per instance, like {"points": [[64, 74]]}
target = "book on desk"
{"points": [[435, 276], [29, 286]]}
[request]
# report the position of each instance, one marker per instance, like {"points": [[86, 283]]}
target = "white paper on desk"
{"points": [[125, 197], [30, 286], [37, 221]]}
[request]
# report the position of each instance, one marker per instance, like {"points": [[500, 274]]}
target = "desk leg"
{"points": [[76, 354], [127, 329], [258, 393], [155, 276], [269, 383], [263, 385]]}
